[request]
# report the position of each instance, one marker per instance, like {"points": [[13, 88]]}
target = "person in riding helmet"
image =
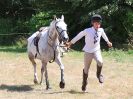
{"points": [[92, 48]]}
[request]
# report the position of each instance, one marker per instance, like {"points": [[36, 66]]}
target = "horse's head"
{"points": [[61, 28]]}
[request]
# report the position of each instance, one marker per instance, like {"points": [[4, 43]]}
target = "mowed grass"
{"points": [[16, 77]]}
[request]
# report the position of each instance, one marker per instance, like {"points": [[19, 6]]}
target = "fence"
{"points": [[12, 38]]}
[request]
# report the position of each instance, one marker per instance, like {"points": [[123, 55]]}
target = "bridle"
{"points": [[57, 29], [59, 33]]}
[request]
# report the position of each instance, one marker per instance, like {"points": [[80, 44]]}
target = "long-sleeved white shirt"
{"points": [[92, 40]]}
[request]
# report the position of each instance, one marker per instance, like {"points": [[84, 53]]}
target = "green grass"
{"points": [[116, 55], [119, 55], [14, 49], [76, 54]]}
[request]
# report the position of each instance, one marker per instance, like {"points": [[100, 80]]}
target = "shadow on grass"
{"points": [[11, 49], [17, 88], [70, 92]]}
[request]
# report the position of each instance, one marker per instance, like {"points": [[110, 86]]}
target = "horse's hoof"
{"points": [[62, 85], [83, 88], [35, 82], [41, 83], [47, 88]]}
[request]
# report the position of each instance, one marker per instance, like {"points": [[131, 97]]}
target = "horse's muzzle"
{"points": [[65, 40]]}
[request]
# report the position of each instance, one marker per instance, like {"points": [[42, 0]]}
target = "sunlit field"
{"points": [[16, 76]]}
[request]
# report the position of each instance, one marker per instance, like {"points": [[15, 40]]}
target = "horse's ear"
{"points": [[62, 17], [55, 18]]}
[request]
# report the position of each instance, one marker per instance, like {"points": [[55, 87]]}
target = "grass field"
{"points": [[16, 77]]}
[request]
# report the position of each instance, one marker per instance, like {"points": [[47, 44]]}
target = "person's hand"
{"points": [[109, 44], [68, 44]]}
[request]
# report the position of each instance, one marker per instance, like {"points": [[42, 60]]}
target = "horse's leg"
{"points": [[42, 73], [58, 61], [44, 68], [31, 57]]}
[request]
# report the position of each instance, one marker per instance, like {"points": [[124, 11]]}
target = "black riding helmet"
{"points": [[96, 18]]}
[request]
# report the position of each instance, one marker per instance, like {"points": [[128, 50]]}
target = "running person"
{"points": [[92, 47]]}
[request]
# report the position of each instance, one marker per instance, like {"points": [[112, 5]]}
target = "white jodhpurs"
{"points": [[88, 59]]}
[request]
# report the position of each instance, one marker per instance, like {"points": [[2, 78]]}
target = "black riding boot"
{"points": [[84, 83], [99, 75]]}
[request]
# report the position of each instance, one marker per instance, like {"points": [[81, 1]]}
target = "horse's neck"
{"points": [[52, 36]]}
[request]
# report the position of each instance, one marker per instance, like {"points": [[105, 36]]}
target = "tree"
{"points": [[117, 15]]}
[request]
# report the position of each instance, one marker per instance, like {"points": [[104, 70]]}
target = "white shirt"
{"points": [[92, 40]]}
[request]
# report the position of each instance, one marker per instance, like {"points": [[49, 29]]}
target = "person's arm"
{"points": [[76, 38], [106, 39]]}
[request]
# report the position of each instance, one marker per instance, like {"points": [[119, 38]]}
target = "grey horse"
{"points": [[48, 48]]}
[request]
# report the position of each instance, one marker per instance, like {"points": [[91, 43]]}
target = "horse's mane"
{"points": [[53, 22], [52, 34]]}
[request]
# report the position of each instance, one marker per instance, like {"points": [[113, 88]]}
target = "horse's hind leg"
{"points": [[42, 71], [31, 57], [44, 68]]}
